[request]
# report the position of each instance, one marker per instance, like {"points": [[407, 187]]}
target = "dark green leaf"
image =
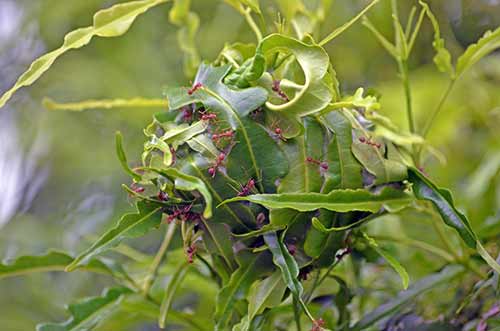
{"points": [[424, 189]]}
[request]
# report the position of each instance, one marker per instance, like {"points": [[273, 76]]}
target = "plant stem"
{"points": [[153, 269], [296, 314], [438, 108], [418, 244], [403, 70], [248, 17]]}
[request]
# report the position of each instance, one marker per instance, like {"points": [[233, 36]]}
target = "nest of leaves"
{"points": [[271, 173]]}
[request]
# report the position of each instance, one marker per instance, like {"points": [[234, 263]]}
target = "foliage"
{"points": [[266, 173]]}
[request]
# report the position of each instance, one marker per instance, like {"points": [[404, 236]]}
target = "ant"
{"points": [[225, 134], [184, 214], [247, 188], [277, 88], [323, 166], [369, 142], [318, 325], [190, 252], [208, 117], [195, 88], [162, 196], [212, 171], [137, 189]]}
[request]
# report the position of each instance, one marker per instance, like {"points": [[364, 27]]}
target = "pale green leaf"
{"points": [[489, 42], [49, 104], [174, 282], [337, 200], [90, 312], [111, 22], [131, 225]]}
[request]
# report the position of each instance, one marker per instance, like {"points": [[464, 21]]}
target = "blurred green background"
{"points": [[60, 179]]}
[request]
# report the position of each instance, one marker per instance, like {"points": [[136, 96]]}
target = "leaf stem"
{"points": [[437, 110], [347, 25], [248, 17], [153, 269]]}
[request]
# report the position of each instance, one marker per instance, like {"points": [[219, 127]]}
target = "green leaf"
{"points": [[241, 280], [285, 262], [403, 274], [188, 183], [179, 134], [232, 107], [303, 176], [335, 33], [442, 200], [344, 170], [123, 157], [445, 276], [372, 158], [51, 261], [314, 94], [266, 293], [131, 225], [50, 104], [188, 23], [442, 59], [173, 284], [475, 52], [111, 22], [337, 200], [250, 71], [89, 313]]}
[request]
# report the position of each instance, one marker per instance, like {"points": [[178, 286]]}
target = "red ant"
{"points": [[162, 196], [247, 188], [277, 88], [261, 217], [369, 142], [184, 214], [195, 88], [212, 171], [137, 189], [191, 251], [318, 325], [279, 134], [174, 155], [322, 165], [208, 117], [187, 114], [225, 134]]}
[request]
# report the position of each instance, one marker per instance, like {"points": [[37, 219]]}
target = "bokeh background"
{"points": [[60, 179]]}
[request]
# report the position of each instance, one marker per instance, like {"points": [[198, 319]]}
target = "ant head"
{"points": [[221, 157], [211, 172], [278, 131]]}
